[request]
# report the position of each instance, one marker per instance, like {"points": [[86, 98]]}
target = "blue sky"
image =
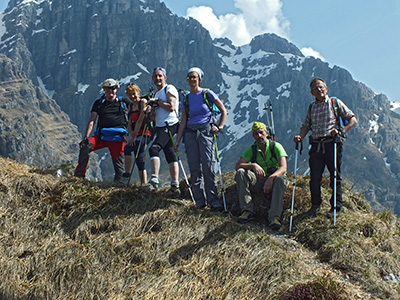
{"points": [[361, 36]]}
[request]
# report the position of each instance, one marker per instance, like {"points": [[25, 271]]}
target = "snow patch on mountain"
{"points": [[395, 107]]}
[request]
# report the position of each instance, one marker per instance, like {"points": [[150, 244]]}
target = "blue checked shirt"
{"points": [[320, 118]]}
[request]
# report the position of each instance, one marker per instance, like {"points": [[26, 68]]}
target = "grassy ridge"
{"points": [[64, 238]]}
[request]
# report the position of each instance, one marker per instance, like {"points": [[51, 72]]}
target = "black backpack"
{"points": [[271, 149], [272, 169]]}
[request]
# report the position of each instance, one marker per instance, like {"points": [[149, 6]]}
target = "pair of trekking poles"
{"points": [[334, 180], [184, 173], [138, 150], [271, 129]]}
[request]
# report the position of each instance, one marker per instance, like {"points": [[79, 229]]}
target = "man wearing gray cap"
{"points": [[110, 112]]}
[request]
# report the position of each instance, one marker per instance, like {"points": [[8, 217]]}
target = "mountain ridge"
{"points": [[69, 51]]}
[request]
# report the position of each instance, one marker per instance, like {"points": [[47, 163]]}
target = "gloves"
{"points": [[84, 142]]}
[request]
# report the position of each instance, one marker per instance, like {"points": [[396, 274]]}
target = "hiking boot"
{"points": [[312, 212], [151, 186], [126, 175], [245, 217], [329, 215], [173, 192], [275, 224]]}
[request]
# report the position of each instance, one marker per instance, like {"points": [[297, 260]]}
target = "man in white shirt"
{"points": [[166, 112]]}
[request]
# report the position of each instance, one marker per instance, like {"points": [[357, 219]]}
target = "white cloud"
{"points": [[308, 51], [257, 17]]}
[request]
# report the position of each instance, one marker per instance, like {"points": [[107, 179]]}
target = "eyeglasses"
{"points": [[110, 87], [320, 87], [160, 69], [192, 77]]}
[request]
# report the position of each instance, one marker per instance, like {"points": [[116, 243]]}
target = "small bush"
{"points": [[323, 288]]}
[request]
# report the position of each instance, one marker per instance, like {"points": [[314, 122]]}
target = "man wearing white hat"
{"points": [[110, 112]]}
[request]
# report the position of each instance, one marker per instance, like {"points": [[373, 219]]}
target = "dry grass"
{"points": [[64, 238]]}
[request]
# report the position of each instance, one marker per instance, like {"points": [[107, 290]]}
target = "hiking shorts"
{"points": [[163, 142]]}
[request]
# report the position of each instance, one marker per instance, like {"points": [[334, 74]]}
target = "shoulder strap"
{"points": [[166, 92], [335, 107], [123, 109], [207, 99], [272, 149], [254, 156]]}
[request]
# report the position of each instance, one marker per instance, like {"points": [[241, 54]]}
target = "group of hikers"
{"points": [[260, 169]]}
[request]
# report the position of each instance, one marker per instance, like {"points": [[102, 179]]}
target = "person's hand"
{"points": [[176, 146], [297, 139], [131, 142], [335, 132], [268, 185], [259, 171], [84, 142], [148, 109], [153, 102], [214, 129]]}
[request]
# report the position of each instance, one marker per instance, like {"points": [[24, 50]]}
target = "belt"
{"points": [[321, 141], [325, 139]]}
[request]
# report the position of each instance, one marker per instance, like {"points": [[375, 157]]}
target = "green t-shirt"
{"points": [[265, 162]]}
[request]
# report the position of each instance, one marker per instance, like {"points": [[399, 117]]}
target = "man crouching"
{"points": [[262, 166]]}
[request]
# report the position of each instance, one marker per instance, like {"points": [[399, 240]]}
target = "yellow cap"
{"points": [[258, 125]]}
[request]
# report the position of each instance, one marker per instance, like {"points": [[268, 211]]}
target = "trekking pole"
{"points": [[268, 124], [145, 145], [220, 173], [334, 177], [180, 163], [136, 155], [294, 183], [272, 120]]}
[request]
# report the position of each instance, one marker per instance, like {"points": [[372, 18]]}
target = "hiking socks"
{"points": [[154, 178], [175, 183]]}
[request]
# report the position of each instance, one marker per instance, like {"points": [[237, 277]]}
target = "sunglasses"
{"points": [[110, 87]]}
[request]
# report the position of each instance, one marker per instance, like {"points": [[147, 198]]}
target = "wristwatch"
{"points": [[220, 128]]}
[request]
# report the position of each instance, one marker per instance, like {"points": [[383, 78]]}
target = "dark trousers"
{"points": [[321, 155]]}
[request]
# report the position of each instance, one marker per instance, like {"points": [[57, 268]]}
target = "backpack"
{"points": [[271, 149], [206, 98], [270, 170], [340, 121], [113, 134], [124, 109]]}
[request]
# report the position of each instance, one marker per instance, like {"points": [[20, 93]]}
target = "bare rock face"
{"points": [[33, 129], [68, 47]]}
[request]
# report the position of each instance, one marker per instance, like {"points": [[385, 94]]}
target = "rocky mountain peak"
{"points": [[68, 47]]}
